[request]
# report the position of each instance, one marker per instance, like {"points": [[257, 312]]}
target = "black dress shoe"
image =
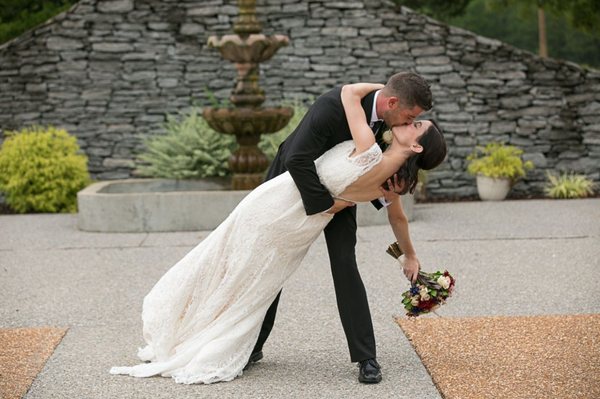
{"points": [[369, 372], [254, 357]]}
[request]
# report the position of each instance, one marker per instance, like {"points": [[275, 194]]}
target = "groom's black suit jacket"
{"points": [[323, 126]]}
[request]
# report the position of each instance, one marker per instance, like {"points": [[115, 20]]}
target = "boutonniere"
{"points": [[387, 137]]}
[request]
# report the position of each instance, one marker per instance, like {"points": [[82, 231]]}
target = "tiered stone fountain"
{"points": [[247, 119], [138, 205]]}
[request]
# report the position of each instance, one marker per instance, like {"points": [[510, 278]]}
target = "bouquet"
{"points": [[429, 291]]}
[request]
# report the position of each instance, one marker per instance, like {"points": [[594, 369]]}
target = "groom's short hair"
{"points": [[411, 89]]}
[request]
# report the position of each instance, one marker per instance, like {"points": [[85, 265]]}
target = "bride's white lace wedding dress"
{"points": [[202, 318]]}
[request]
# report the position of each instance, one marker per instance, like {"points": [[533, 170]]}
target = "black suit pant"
{"points": [[353, 306]]}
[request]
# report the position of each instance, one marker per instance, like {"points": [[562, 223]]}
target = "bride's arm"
{"points": [[399, 223], [359, 128]]}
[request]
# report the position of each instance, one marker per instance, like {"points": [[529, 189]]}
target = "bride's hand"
{"points": [[411, 267]]}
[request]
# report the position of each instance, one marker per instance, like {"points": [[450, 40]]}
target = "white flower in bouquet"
{"points": [[415, 301], [444, 282], [424, 293]]}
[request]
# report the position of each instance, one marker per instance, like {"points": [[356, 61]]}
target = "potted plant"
{"points": [[497, 167]]}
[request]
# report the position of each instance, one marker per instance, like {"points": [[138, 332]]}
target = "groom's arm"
{"points": [[309, 142]]}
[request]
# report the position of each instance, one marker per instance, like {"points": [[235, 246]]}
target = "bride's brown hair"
{"points": [[434, 152]]}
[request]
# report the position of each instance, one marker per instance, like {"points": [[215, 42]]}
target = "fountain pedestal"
{"points": [[248, 162]]}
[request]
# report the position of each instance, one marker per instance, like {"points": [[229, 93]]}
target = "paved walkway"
{"points": [[510, 258]]}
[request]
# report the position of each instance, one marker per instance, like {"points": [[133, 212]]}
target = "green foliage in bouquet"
{"points": [[568, 185], [189, 150], [497, 160], [269, 143], [41, 170]]}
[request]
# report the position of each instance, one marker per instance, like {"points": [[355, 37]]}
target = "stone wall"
{"points": [[110, 70]]}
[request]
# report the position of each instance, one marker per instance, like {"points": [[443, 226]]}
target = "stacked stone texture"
{"points": [[109, 72]]}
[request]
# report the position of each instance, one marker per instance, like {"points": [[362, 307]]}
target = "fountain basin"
{"points": [[254, 48], [247, 121], [152, 205]]}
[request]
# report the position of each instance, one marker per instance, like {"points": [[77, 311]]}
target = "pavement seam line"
{"points": [[192, 245]]}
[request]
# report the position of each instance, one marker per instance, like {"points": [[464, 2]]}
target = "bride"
{"points": [[202, 318]]}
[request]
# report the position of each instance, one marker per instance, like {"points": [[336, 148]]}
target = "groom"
{"points": [[404, 97]]}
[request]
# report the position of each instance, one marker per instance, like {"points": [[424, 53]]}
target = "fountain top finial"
{"points": [[247, 23]]}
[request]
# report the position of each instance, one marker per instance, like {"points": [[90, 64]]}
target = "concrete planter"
{"points": [[147, 205], [491, 189]]}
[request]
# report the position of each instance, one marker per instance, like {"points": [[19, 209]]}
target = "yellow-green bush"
{"points": [[568, 185], [41, 170]]}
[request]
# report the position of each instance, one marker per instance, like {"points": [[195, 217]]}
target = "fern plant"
{"points": [[41, 170], [568, 185], [497, 160], [189, 150]]}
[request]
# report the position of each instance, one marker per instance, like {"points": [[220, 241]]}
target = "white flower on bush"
{"points": [[444, 282]]}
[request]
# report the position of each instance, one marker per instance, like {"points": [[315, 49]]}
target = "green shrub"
{"points": [[41, 170], [19, 16], [497, 160], [189, 150], [269, 143], [568, 185]]}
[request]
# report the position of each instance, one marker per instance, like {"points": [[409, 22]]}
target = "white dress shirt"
{"points": [[375, 118]]}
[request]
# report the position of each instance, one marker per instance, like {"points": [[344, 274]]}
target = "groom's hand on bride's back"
{"points": [[391, 189], [338, 205]]}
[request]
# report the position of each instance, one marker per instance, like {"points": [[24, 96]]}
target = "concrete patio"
{"points": [[511, 258]]}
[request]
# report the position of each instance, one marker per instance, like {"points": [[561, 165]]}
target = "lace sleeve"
{"points": [[337, 169], [367, 158]]}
